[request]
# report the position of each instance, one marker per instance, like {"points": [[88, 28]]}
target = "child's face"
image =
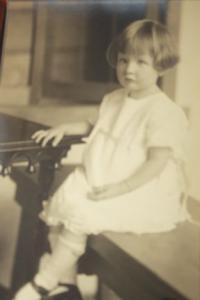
{"points": [[137, 74]]}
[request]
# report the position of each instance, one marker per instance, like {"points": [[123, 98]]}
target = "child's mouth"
{"points": [[130, 80]]}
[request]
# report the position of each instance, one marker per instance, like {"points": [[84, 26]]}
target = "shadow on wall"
{"points": [[4, 294], [3, 5], [9, 222]]}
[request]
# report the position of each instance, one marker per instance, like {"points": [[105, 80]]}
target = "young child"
{"points": [[132, 175]]}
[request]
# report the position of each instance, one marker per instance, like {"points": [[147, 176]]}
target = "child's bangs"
{"points": [[139, 45]]}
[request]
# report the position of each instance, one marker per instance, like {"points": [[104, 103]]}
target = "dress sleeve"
{"points": [[168, 127], [97, 123], [93, 119], [103, 105]]}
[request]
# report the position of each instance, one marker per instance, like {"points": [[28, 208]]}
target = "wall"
{"points": [[14, 81], [187, 91]]}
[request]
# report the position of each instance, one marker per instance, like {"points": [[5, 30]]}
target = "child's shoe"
{"points": [[71, 293], [32, 291], [29, 292]]}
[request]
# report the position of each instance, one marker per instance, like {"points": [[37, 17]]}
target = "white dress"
{"points": [[115, 149]]}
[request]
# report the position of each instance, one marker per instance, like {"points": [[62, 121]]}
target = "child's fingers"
{"points": [[35, 134], [57, 139], [98, 191], [93, 195], [104, 192], [47, 138], [97, 196], [39, 135]]}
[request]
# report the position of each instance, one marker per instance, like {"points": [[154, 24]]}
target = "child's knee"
{"points": [[75, 242], [44, 260], [54, 233]]}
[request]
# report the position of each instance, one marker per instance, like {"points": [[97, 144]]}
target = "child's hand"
{"points": [[44, 136], [108, 191]]}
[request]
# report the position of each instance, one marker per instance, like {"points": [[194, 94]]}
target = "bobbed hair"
{"points": [[145, 36]]}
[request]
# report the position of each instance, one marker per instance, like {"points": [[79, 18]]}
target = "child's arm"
{"points": [[155, 163], [57, 133]]}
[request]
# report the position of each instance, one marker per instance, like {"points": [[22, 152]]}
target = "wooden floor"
{"points": [[4, 294]]}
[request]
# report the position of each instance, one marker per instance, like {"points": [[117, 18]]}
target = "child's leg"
{"points": [[69, 276], [61, 263], [66, 252]]}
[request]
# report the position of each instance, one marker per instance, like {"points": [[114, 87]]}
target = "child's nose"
{"points": [[131, 66]]}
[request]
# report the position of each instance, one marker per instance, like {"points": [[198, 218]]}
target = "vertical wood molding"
{"points": [[173, 20], [39, 47], [152, 10]]}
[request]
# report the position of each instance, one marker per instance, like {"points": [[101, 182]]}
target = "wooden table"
{"points": [[148, 267], [16, 145], [32, 167]]}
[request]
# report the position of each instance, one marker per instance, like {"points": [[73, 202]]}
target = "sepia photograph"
{"points": [[99, 150]]}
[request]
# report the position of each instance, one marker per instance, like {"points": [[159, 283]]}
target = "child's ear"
{"points": [[160, 73], [163, 72]]}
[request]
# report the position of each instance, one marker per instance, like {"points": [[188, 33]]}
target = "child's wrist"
{"points": [[127, 186], [62, 127], [65, 128]]}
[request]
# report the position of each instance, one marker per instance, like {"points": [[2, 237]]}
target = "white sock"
{"points": [[60, 266], [62, 262], [27, 292], [69, 275]]}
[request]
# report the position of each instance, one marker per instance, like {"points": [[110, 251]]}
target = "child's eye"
{"points": [[122, 60], [142, 61]]}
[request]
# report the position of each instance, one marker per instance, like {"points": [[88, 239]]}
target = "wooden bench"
{"points": [[150, 266], [164, 266]]}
